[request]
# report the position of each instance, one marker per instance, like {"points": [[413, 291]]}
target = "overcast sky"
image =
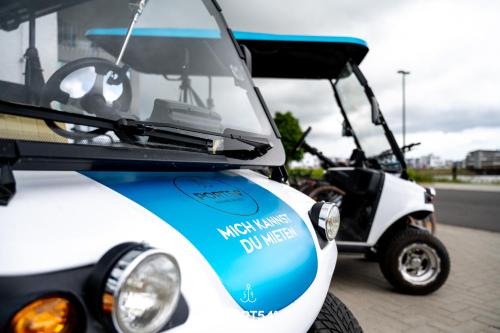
{"points": [[451, 47]]}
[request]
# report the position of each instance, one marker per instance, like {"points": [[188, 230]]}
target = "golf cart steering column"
{"points": [[325, 161], [33, 79]]}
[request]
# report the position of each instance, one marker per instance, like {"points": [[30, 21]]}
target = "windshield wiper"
{"points": [[259, 148], [126, 129], [131, 131], [260, 145]]}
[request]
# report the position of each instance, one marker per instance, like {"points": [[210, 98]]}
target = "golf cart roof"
{"points": [[300, 56], [15, 12]]}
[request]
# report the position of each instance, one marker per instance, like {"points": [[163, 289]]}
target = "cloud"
{"points": [[454, 145], [309, 100], [448, 45]]}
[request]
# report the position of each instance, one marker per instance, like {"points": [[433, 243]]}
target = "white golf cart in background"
{"points": [[385, 215], [130, 133]]}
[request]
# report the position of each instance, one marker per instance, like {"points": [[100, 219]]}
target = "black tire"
{"points": [[335, 317], [398, 244], [371, 256]]}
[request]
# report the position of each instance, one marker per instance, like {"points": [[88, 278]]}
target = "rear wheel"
{"points": [[414, 261], [328, 193], [335, 317]]}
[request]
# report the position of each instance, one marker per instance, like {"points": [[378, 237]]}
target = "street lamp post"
{"points": [[403, 75]]}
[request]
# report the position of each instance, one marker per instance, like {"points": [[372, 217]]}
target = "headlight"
{"points": [[141, 290], [430, 194], [326, 219]]}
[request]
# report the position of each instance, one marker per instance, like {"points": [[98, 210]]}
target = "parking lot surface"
{"points": [[468, 302]]}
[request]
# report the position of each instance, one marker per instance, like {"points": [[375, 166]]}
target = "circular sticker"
{"points": [[217, 195]]}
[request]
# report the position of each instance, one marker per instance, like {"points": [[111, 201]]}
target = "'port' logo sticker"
{"points": [[217, 195]]}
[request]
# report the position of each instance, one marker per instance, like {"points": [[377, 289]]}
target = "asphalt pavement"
{"points": [[471, 207]]}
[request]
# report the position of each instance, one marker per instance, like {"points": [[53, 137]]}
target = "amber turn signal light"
{"points": [[45, 315]]}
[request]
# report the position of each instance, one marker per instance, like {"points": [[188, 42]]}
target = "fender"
{"points": [[399, 198], [238, 226]]}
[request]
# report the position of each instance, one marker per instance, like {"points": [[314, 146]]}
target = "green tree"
{"points": [[291, 133]]}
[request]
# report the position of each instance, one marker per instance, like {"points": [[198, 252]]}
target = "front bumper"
{"points": [[203, 307]]}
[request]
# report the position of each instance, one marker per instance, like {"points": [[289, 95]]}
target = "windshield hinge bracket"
{"points": [[7, 181], [279, 174]]}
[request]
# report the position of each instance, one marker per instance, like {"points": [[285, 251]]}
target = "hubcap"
{"points": [[419, 264]]}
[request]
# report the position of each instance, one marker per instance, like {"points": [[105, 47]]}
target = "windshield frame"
{"points": [[380, 121], [49, 156]]}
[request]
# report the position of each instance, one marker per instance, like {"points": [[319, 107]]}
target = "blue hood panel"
{"points": [[259, 247]]}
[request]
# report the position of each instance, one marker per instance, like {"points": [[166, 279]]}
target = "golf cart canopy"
{"points": [[301, 56]]}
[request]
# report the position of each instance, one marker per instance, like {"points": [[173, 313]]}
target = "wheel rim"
{"points": [[419, 264]]}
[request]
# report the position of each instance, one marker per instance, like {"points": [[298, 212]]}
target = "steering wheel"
{"points": [[94, 101], [301, 141]]}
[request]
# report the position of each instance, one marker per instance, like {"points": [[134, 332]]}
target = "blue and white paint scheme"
{"points": [[157, 32], [247, 35], [72, 219], [239, 227]]}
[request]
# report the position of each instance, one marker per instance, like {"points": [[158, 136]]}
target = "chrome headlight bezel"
{"points": [[113, 272], [430, 194], [325, 217]]}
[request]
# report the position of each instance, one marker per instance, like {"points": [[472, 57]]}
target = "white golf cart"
{"points": [[384, 214], [129, 132]]}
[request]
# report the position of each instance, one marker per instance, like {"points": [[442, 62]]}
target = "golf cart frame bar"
{"points": [[380, 118]]}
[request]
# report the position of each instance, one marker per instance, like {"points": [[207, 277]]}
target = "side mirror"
{"points": [[376, 118], [346, 130], [248, 57]]}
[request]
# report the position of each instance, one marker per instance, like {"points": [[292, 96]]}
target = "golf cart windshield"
{"points": [[334, 59], [170, 63], [358, 110]]}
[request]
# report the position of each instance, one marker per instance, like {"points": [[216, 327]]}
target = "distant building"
{"points": [[430, 161], [487, 161], [448, 163]]}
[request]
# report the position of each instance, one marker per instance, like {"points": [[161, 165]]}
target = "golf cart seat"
{"points": [[363, 188], [13, 92], [355, 181]]}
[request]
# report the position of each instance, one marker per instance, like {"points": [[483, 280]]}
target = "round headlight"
{"points": [[332, 222], [142, 291], [326, 219]]}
